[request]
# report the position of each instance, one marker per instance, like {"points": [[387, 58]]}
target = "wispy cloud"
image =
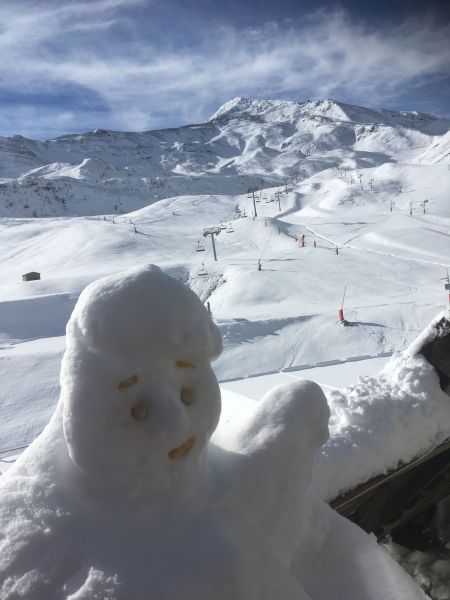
{"points": [[138, 79]]}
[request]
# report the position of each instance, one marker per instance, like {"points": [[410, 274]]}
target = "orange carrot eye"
{"points": [[139, 410], [184, 364], [186, 396], [126, 383]]}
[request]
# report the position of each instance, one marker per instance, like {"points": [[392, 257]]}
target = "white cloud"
{"points": [[146, 84]]}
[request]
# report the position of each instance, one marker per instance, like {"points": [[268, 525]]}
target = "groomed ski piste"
{"points": [[368, 214]]}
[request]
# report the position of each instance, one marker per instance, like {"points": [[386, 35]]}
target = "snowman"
{"points": [[124, 496]]}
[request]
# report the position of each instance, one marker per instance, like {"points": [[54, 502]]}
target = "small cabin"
{"points": [[31, 276]]}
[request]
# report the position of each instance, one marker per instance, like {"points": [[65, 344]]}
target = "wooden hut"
{"points": [[31, 276]]}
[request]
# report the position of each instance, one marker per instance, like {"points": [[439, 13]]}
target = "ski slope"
{"points": [[345, 168], [349, 200]]}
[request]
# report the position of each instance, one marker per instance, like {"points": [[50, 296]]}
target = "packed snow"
{"points": [[123, 495], [349, 200]]}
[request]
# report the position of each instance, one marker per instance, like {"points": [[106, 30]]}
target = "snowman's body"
{"points": [[123, 497]]}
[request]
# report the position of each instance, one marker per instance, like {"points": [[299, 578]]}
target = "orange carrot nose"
{"points": [[183, 449]]}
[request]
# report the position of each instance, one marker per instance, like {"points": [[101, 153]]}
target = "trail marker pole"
{"points": [[342, 320]]}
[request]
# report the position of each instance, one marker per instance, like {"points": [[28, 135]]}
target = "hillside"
{"points": [[344, 177], [246, 143]]}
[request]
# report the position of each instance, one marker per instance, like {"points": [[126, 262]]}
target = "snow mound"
{"points": [[124, 496], [371, 417]]}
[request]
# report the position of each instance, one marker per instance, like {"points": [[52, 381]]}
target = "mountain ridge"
{"points": [[245, 143]]}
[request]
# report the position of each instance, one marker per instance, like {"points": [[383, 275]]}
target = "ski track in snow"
{"points": [[357, 248]]}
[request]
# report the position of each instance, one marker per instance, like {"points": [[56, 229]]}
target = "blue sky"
{"points": [[144, 64]]}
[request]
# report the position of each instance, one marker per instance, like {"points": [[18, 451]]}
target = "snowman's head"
{"points": [[140, 400]]}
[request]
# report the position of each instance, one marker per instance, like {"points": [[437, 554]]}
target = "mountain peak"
{"points": [[238, 101]]}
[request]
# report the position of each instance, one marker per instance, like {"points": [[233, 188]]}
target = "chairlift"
{"points": [[200, 247], [222, 225], [202, 272], [244, 214], [230, 228]]}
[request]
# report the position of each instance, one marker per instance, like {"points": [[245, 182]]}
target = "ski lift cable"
{"points": [[267, 243], [247, 239]]}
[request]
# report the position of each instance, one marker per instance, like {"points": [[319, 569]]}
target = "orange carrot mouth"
{"points": [[183, 449]]}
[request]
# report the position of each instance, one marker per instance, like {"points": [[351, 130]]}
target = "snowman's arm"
{"points": [[271, 465], [287, 427]]}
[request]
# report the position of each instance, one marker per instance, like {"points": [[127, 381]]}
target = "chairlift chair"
{"points": [[202, 272], [200, 247], [230, 228]]}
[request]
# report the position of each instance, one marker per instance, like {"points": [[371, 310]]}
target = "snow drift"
{"points": [[124, 496]]}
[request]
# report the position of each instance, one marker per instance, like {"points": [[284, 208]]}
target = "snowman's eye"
{"points": [[184, 364], [139, 410], [126, 383], [186, 396]]}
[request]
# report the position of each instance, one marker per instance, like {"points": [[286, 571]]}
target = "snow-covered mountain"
{"points": [[350, 210], [246, 143], [352, 197]]}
